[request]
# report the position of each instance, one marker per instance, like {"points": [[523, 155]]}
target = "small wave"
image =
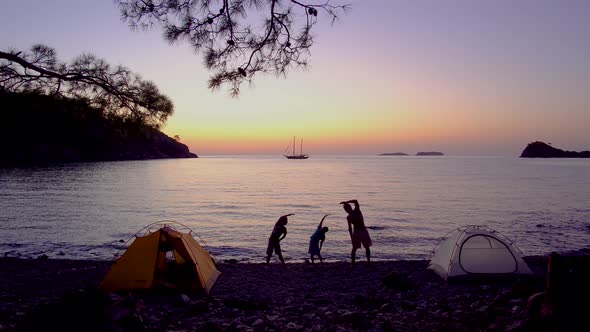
{"points": [[398, 220], [378, 228], [123, 236], [224, 213], [110, 245], [413, 241], [232, 251], [12, 245], [299, 206], [32, 227], [224, 206]]}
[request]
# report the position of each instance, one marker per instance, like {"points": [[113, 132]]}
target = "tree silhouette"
{"points": [[115, 90], [233, 47]]}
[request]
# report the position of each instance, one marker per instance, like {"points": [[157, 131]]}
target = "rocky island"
{"points": [[430, 153], [543, 150], [393, 154]]}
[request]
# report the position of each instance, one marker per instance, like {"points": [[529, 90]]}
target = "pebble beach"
{"points": [[52, 294]]}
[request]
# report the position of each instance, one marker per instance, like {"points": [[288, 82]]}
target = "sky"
{"points": [[458, 76]]}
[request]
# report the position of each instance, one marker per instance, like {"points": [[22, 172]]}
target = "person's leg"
{"points": [[312, 260], [280, 253], [353, 254], [321, 259], [269, 250], [368, 255]]}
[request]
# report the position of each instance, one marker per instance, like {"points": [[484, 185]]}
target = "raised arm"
{"points": [[321, 222], [353, 201]]}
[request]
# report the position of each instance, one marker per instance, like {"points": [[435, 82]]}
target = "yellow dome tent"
{"points": [[160, 259]]}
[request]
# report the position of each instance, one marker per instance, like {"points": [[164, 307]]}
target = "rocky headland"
{"points": [[543, 150], [40, 129]]}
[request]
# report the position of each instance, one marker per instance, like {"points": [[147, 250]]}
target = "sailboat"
{"points": [[295, 156]]}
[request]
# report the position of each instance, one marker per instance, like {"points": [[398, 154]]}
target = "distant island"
{"points": [[431, 153], [394, 154], [543, 150], [40, 129]]}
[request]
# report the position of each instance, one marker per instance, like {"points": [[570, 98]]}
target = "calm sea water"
{"points": [[88, 210]]}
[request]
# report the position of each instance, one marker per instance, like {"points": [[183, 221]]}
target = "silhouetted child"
{"points": [[274, 241], [316, 241]]}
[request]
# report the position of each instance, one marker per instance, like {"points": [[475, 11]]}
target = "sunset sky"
{"points": [[462, 77]]}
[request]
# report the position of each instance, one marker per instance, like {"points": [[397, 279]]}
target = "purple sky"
{"points": [[463, 77]]}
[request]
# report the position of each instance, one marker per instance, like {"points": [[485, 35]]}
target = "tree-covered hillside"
{"points": [[38, 128]]}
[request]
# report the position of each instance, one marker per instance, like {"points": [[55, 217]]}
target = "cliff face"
{"points": [[40, 129], [543, 150]]}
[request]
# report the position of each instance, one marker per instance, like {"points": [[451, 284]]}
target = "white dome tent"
{"points": [[472, 252]]}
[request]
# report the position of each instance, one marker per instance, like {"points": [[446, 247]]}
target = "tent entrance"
{"points": [[174, 266], [483, 253]]}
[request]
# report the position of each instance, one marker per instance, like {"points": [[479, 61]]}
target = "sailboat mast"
{"points": [[301, 147]]}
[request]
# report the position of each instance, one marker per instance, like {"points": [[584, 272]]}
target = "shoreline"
{"points": [[337, 296]]}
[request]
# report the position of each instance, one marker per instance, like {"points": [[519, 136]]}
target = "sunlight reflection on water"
{"points": [[85, 210]]}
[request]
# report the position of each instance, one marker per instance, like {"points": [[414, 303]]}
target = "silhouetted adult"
{"points": [[316, 241], [359, 235], [274, 241]]}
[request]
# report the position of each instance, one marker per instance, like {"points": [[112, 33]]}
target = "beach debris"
{"points": [[185, 299], [258, 323]]}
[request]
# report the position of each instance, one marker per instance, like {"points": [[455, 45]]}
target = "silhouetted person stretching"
{"points": [[316, 241], [274, 241], [357, 230]]}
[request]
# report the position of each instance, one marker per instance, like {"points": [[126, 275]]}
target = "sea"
{"points": [[93, 211]]}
